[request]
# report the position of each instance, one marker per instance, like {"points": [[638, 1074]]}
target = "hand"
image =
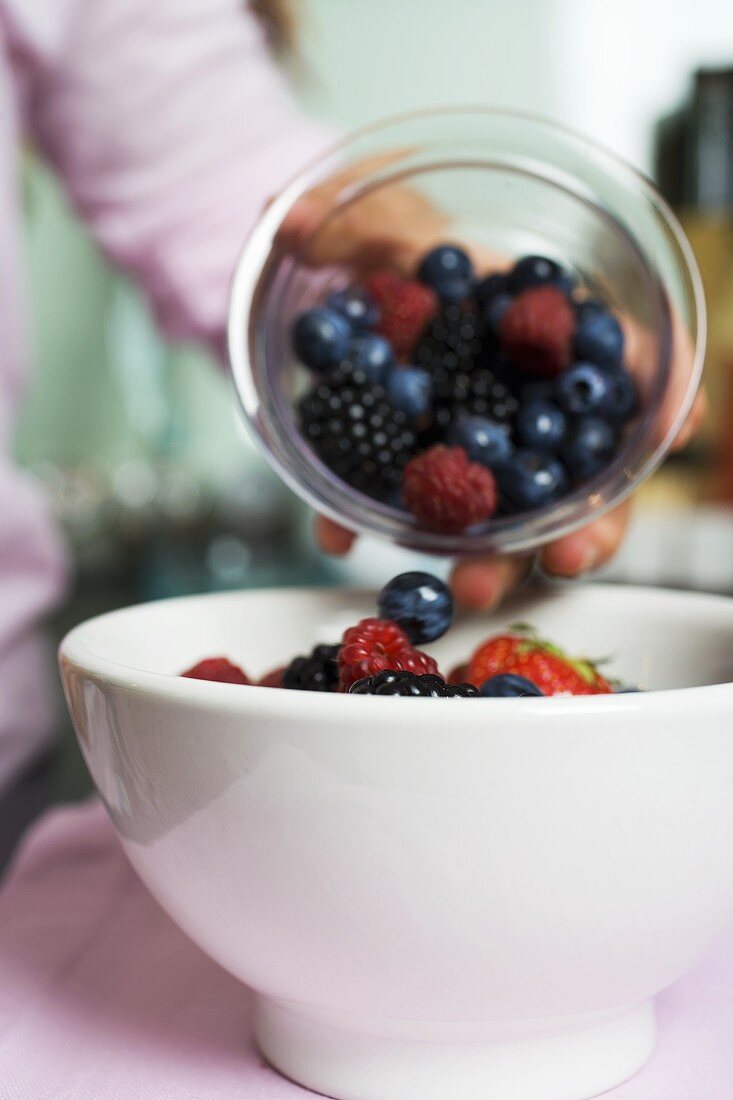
{"points": [[408, 226], [389, 227], [482, 583]]}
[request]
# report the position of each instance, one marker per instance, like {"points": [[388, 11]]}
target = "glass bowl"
{"points": [[510, 184]]}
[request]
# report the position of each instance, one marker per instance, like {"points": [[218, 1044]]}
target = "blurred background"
{"points": [[153, 479]]}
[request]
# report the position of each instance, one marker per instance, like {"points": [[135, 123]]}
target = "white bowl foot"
{"points": [[357, 1059]]}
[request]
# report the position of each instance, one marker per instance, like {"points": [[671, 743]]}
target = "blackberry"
{"points": [[461, 691], [390, 682], [355, 429], [451, 341], [316, 672], [469, 393]]}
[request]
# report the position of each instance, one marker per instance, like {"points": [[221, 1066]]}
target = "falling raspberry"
{"points": [[446, 492]]}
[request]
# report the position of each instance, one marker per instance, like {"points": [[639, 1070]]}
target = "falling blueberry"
{"points": [[420, 603]]}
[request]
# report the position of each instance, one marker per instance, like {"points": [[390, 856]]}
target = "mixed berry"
{"points": [[381, 656], [459, 399]]}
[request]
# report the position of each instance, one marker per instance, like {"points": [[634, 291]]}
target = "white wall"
{"points": [[608, 67]]}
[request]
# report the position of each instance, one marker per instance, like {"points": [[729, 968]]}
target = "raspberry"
{"points": [[218, 669], [537, 331], [446, 492], [273, 679], [405, 308], [377, 644]]}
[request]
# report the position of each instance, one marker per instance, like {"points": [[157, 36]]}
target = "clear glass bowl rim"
{"points": [[332, 498]]}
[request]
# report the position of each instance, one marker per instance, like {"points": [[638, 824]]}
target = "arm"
{"points": [[171, 127]]}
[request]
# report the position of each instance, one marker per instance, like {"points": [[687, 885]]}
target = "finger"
{"points": [[332, 538], [693, 423], [481, 584], [587, 549]]}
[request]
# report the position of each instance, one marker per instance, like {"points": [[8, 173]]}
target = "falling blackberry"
{"points": [[356, 431], [316, 672], [469, 393], [390, 682], [451, 341]]}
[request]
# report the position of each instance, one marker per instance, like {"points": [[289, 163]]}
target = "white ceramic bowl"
{"points": [[430, 898]]}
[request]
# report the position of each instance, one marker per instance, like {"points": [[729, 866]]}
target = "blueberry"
{"points": [[410, 389], [507, 685], [582, 389], [356, 305], [321, 337], [621, 401], [420, 603], [543, 390], [449, 271], [489, 287], [541, 425], [539, 271], [484, 440], [531, 479], [372, 354], [598, 335], [590, 447], [495, 309]]}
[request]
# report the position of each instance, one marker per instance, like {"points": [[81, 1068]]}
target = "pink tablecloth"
{"points": [[102, 998]]}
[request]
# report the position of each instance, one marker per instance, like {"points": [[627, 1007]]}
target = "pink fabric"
{"points": [[171, 127], [102, 998]]}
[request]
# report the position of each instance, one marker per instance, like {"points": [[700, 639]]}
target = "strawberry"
{"points": [[405, 307], [459, 674], [374, 645], [537, 331], [273, 679], [218, 669], [521, 653]]}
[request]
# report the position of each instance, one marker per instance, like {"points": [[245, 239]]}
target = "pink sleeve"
{"points": [[171, 127]]}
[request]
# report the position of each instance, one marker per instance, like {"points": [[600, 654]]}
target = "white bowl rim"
{"points": [[75, 651]]}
